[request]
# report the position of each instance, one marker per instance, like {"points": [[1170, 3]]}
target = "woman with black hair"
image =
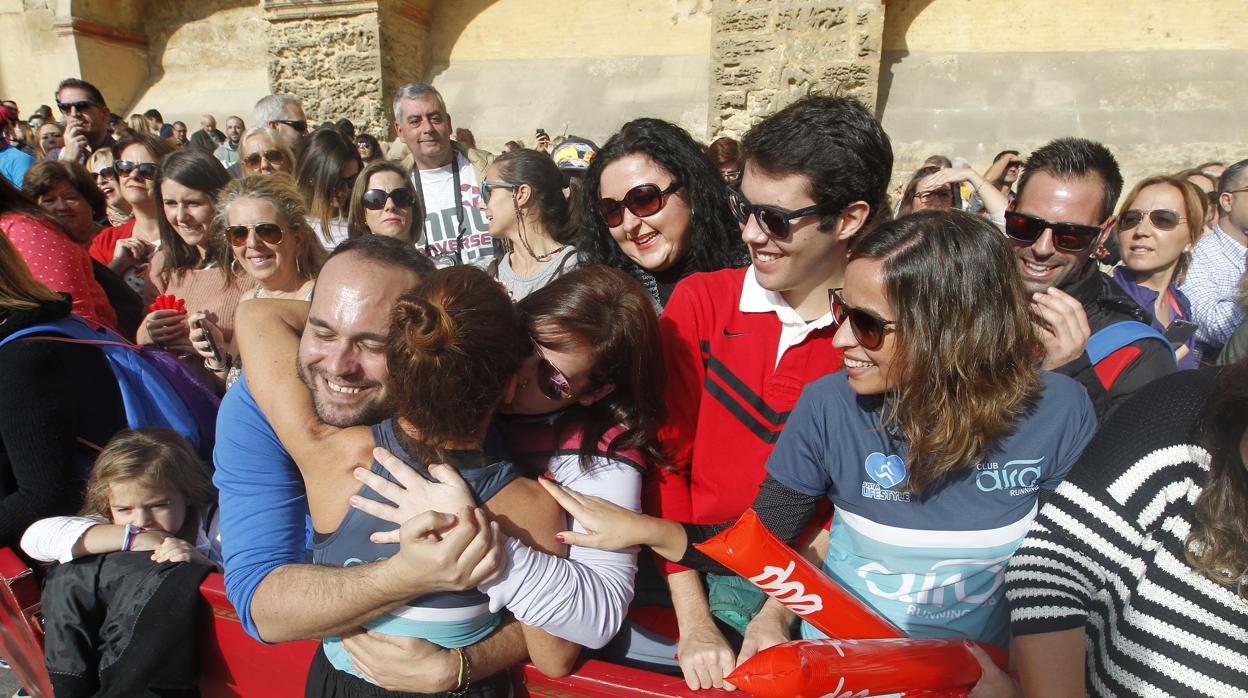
{"points": [[188, 263], [522, 199], [654, 205], [368, 147], [326, 172]]}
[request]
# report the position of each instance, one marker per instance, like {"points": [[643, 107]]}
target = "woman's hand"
{"points": [[201, 328], [993, 682], [168, 329], [413, 495], [612, 527], [129, 253]]}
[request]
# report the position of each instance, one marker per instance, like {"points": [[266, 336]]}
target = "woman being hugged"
{"points": [[1160, 219], [522, 198], [933, 443], [189, 262], [654, 206]]}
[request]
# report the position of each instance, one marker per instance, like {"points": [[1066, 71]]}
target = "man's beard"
{"points": [[371, 412]]}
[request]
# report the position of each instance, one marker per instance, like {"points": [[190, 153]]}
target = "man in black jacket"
{"points": [[1064, 210]]}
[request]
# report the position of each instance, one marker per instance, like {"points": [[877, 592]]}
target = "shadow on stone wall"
{"points": [[898, 16], [450, 19], [163, 19]]}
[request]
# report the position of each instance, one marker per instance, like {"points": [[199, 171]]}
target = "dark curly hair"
{"points": [[715, 239]]}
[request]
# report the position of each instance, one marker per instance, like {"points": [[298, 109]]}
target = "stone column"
{"points": [[345, 57], [766, 54]]}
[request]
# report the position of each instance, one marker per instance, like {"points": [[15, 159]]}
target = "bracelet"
{"points": [[465, 674], [225, 367], [127, 539]]}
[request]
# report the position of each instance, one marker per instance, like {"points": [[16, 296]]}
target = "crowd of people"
{"points": [[424, 403]]}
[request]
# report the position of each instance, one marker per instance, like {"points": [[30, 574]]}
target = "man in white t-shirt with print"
{"points": [[455, 231]]}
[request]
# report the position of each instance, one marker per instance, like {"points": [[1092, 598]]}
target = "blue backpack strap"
{"points": [[1110, 339], [148, 397]]}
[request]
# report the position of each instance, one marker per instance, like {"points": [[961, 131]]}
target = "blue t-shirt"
{"points": [[14, 163], [263, 504], [933, 565]]}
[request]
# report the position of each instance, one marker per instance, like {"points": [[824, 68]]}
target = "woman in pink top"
{"points": [[188, 263], [54, 259]]}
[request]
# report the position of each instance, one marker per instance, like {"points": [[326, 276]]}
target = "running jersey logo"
{"points": [[1018, 477], [791, 594], [887, 471]]}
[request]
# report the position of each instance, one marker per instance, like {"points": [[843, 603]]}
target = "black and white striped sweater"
{"points": [[1107, 552]]}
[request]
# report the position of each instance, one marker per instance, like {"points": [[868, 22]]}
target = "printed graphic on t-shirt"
{"points": [[448, 229]]}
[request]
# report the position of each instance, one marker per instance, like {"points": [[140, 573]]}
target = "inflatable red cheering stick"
{"points": [[811, 668], [754, 552]]}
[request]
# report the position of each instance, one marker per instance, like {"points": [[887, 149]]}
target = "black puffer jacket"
{"points": [[1105, 304]]}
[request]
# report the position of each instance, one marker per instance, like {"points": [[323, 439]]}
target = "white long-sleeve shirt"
{"points": [[582, 598], [52, 539]]}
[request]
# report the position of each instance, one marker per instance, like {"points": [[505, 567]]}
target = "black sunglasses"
{"points": [[1067, 237], [142, 170], [81, 106], [1161, 218], [772, 219], [300, 126], [375, 199], [487, 189], [106, 173], [868, 328], [269, 233], [642, 200], [273, 156]]}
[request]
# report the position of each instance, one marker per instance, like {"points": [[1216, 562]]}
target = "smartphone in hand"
{"points": [[1179, 331], [212, 343]]}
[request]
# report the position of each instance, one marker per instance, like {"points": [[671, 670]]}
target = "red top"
{"points": [[727, 399], [60, 264], [105, 243]]}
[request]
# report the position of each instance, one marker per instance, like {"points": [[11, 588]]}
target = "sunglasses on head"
{"points": [[269, 233], [300, 126], [81, 106], [375, 199], [142, 170], [1067, 237], [273, 156], [772, 219], [642, 201], [550, 380], [868, 328], [1161, 218], [487, 189]]}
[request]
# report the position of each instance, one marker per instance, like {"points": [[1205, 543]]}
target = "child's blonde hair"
{"points": [[154, 457]]}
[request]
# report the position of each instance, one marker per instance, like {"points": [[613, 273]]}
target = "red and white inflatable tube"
{"points": [[754, 552], [811, 668]]}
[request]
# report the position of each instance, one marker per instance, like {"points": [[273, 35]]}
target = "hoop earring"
{"points": [[298, 267]]}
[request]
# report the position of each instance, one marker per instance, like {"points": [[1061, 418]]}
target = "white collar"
{"points": [[756, 299]]}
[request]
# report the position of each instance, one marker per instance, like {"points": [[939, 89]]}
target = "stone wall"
{"points": [[766, 54]]}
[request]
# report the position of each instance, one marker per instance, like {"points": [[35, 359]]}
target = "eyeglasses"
{"points": [[300, 126], [1161, 218], [868, 328], [487, 189], [643, 200], [81, 106], [375, 199], [106, 173], [550, 380], [942, 194], [347, 183], [772, 219], [142, 170], [269, 233], [1067, 237], [274, 156]]}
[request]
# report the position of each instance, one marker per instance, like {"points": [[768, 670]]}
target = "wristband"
{"points": [[128, 538], [465, 674]]}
